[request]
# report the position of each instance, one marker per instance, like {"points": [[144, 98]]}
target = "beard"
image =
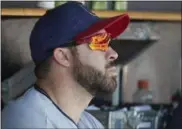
{"points": [[94, 81]]}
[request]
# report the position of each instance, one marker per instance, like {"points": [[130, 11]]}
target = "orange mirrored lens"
{"points": [[100, 42]]}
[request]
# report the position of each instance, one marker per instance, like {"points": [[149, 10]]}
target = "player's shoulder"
{"points": [[15, 116], [22, 112]]}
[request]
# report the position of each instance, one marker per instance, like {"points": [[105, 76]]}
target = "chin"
{"points": [[111, 85], [94, 80]]}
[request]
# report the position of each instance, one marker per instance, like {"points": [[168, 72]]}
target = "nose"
{"points": [[111, 54]]}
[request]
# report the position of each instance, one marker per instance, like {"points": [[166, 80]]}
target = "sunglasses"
{"points": [[98, 41]]}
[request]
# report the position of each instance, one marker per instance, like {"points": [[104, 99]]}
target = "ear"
{"points": [[62, 56]]}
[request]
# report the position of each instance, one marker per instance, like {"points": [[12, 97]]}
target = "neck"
{"points": [[68, 96]]}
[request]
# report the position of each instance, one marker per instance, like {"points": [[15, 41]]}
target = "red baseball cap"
{"points": [[70, 22], [114, 26]]}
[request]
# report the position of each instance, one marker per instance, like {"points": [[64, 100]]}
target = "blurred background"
{"points": [[149, 63]]}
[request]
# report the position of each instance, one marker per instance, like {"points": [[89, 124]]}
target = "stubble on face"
{"points": [[94, 81]]}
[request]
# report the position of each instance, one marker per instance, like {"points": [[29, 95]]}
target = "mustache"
{"points": [[111, 64]]}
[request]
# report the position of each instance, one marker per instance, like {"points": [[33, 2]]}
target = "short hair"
{"points": [[41, 70]]}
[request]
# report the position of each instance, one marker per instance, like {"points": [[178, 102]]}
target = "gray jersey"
{"points": [[35, 110]]}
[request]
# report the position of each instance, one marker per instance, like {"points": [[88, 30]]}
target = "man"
{"points": [[70, 47]]}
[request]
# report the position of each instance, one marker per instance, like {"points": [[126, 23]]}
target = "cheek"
{"points": [[94, 59], [98, 62]]}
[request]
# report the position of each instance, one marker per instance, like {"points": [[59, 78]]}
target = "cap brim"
{"points": [[114, 25]]}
